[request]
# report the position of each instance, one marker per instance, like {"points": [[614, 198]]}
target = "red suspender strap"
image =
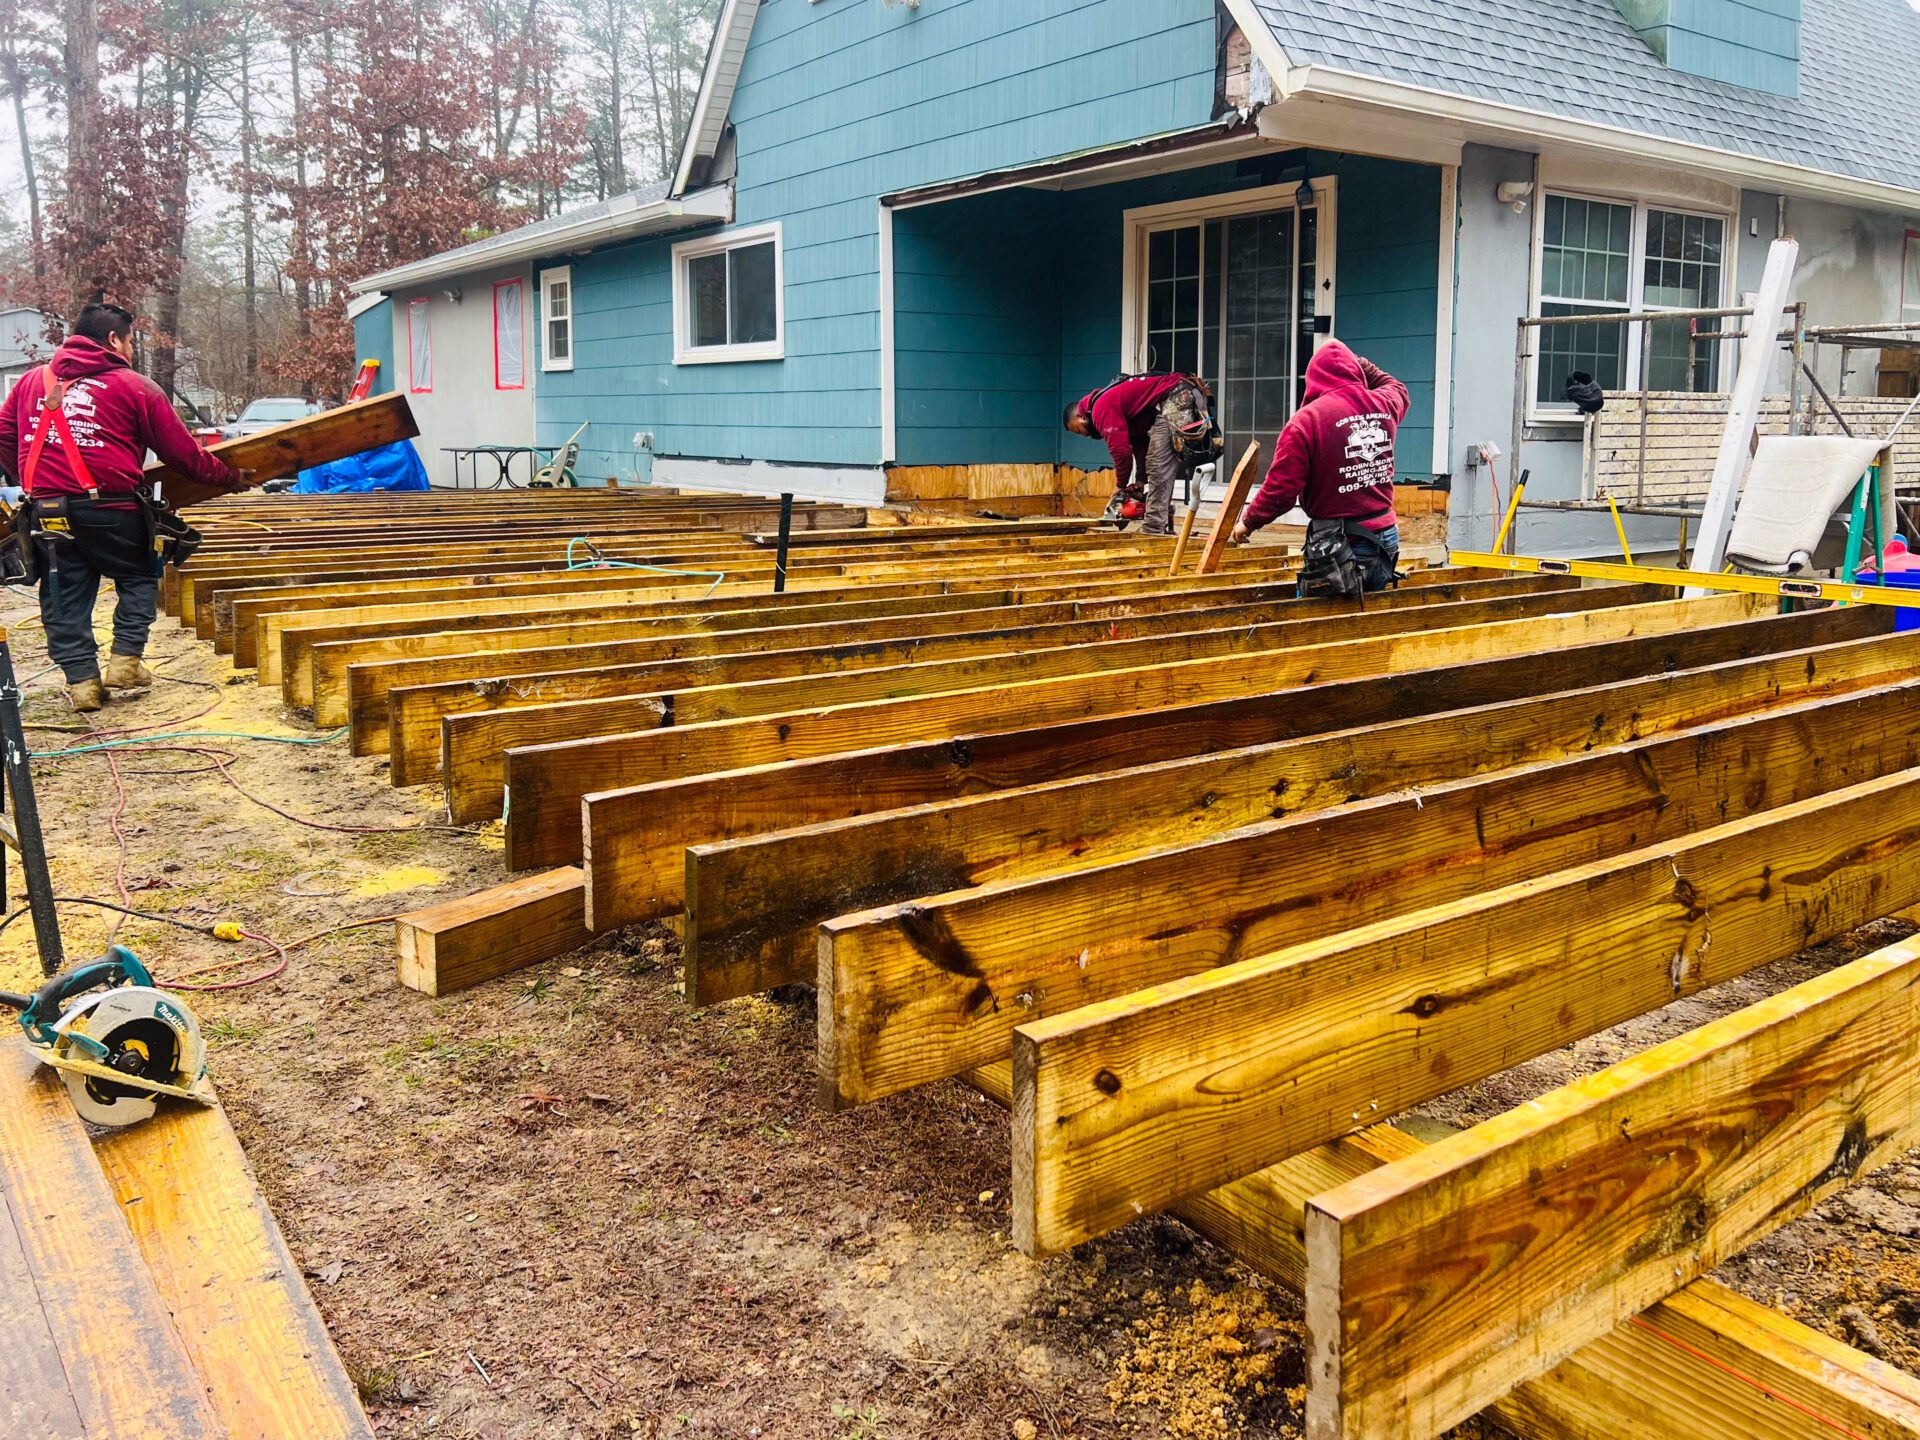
{"points": [[53, 418]]}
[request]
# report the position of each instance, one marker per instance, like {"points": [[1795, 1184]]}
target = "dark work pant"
{"points": [[1378, 552], [68, 589]]}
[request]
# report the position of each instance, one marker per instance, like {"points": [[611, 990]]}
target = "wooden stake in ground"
{"points": [[1230, 507]]}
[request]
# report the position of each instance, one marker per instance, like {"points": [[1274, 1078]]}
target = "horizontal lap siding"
{"points": [[838, 103]]}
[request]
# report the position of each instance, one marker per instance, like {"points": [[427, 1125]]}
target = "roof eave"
{"points": [[653, 217], [1539, 125], [711, 104]]}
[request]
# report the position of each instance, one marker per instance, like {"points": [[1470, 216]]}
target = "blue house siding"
{"points": [[991, 291], [838, 103], [373, 340]]}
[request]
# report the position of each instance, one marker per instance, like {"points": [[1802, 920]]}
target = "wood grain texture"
{"points": [[636, 836], [912, 993], [287, 449], [1705, 1364], [753, 902], [1437, 1284], [472, 744], [548, 782], [120, 1360], [1140, 1101], [1245, 475], [217, 1257], [492, 932]]}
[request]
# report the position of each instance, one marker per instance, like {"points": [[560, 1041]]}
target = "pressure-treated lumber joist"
{"points": [[915, 992], [472, 745], [636, 836], [1127, 1105], [219, 1262], [753, 902], [462, 942], [285, 449], [547, 782], [87, 1347], [454, 684], [1704, 1364], [1438, 1283], [1245, 474]]}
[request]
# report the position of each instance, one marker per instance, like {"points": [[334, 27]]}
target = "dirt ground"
{"points": [[565, 1204]]}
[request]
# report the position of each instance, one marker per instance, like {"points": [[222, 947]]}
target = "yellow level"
{"points": [[1852, 594]]}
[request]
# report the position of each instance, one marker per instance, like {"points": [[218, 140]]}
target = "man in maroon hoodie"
{"points": [[1334, 460], [87, 451], [1137, 417]]}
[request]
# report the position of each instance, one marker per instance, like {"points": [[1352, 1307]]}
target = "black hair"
{"points": [[99, 320], [1066, 415]]}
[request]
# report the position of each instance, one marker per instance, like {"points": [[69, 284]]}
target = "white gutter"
{"points": [[1517, 123], [628, 221]]}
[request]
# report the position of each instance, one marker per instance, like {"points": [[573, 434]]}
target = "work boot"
{"points": [[87, 695], [125, 672]]}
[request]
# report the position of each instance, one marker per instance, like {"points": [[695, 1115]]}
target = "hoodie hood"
{"points": [[79, 357], [1333, 368]]}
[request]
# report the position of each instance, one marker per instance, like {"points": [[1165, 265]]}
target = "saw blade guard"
{"points": [[144, 1035]]}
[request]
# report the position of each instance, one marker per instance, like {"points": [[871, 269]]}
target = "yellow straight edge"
{"points": [[1663, 575]]}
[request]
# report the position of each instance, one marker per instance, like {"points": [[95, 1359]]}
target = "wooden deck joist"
{"points": [[1124, 1106], [548, 782], [1439, 1283], [753, 903], [635, 837]]}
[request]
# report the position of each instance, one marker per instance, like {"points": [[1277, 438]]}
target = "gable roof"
{"points": [[647, 211], [1580, 61], [725, 54]]}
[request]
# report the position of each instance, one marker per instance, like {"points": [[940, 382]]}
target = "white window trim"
{"points": [[562, 273], [774, 349], [1139, 223], [1549, 412]]}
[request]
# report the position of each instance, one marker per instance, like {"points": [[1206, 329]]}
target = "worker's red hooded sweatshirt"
{"points": [[1334, 459], [1123, 414], [116, 414]]}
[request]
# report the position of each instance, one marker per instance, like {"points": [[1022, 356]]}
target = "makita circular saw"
{"points": [[118, 1040]]}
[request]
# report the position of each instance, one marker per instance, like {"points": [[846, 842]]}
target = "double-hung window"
{"points": [[727, 301], [556, 318], [1599, 256]]}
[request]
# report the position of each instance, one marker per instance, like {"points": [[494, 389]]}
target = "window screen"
{"points": [[419, 348]]}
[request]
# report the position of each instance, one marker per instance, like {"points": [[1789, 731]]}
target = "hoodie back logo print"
{"points": [[1368, 440]]}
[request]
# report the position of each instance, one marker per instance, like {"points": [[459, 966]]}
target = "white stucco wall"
{"points": [[465, 407]]}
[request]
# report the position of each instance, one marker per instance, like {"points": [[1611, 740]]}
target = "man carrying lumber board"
{"points": [[74, 435], [1168, 417], [1334, 460]]}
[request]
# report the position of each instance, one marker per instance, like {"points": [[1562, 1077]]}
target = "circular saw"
{"points": [[119, 1041]]}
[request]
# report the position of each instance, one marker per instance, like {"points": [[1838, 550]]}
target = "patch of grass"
{"points": [[862, 1424], [234, 1031], [374, 1382]]}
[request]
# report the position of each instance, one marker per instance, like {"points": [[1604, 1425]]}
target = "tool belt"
{"points": [[123, 536], [1328, 568]]}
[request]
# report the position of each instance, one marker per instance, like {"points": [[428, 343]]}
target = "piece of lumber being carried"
{"points": [[1437, 1284]]}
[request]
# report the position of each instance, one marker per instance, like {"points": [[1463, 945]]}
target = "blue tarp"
{"points": [[391, 467]]}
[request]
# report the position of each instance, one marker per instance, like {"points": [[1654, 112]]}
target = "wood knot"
{"points": [[1107, 1083]]}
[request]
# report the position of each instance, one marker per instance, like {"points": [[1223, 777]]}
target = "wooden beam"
{"points": [[1127, 1105], [1231, 504], [218, 1259], [89, 1347], [548, 782], [494, 932], [915, 992], [1439, 1283], [286, 449], [753, 902], [1705, 1364], [635, 837], [409, 701], [729, 688]]}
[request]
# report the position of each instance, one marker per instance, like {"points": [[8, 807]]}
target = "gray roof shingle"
{"points": [[477, 251], [1579, 59]]}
